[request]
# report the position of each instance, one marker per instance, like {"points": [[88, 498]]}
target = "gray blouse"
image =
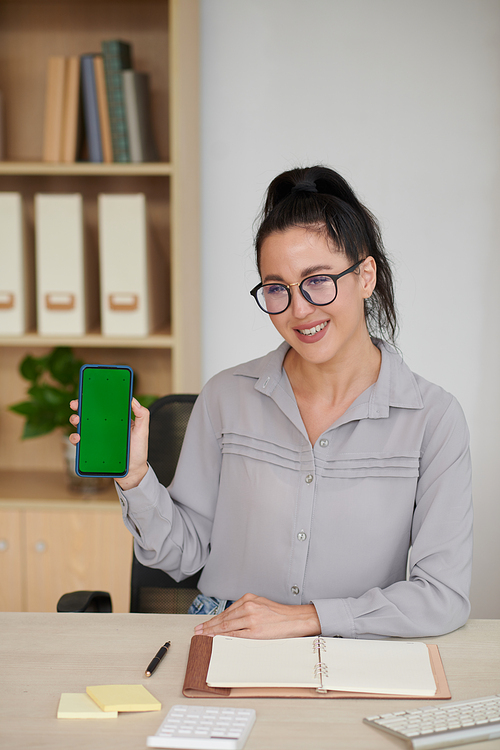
{"points": [[266, 512]]}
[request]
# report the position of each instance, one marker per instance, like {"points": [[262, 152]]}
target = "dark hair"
{"points": [[318, 197]]}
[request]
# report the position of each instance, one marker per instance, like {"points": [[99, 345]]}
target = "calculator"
{"points": [[204, 728]]}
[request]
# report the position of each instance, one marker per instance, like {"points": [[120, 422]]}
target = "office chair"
{"points": [[151, 590]]}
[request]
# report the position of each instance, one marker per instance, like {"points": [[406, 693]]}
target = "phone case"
{"points": [[111, 434]]}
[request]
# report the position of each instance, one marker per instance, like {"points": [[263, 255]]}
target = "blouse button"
{"points": [[309, 478], [302, 536], [323, 443], [295, 590]]}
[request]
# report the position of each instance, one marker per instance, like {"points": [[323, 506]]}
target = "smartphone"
{"points": [[104, 408]]}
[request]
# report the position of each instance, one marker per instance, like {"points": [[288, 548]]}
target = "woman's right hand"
{"points": [[139, 434]]}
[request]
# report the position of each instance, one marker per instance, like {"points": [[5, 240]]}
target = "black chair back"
{"points": [[153, 590]]}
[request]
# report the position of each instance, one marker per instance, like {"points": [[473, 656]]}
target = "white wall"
{"points": [[402, 97]]}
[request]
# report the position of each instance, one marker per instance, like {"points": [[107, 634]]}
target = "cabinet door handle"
{"points": [[40, 546], [4, 545], [6, 300]]}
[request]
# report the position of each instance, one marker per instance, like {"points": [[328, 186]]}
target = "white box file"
{"points": [[123, 262], [12, 266], [59, 264]]}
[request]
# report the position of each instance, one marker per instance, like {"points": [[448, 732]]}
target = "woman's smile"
{"points": [[311, 333]]}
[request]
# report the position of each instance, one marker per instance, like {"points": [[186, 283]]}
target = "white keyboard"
{"points": [[204, 728], [447, 724]]}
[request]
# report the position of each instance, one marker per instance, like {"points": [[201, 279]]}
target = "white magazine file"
{"points": [[59, 264], [123, 262], [12, 266]]}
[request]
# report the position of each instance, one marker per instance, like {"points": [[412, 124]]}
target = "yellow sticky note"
{"points": [[123, 698], [81, 706]]}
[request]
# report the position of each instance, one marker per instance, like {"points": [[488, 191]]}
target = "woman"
{"points": [[308, 474]]}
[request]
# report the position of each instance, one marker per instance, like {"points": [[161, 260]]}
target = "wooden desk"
{"points": [[43, 655]]}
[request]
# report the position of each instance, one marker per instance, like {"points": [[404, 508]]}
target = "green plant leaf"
{"points": [[33, 429], [64, 366], [48, 396], [31, 368], [26, 408], [61, 417]]}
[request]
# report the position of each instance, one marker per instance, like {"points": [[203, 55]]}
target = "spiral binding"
{"points": [[319, 643], [320, 668]]}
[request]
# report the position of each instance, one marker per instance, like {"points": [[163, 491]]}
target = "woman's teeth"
{"points": [[312, 331]]}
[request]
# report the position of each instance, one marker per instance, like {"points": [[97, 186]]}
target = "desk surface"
{"points": [[44, 655]]}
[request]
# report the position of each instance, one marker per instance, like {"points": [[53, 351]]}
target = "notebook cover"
{"points": [[195, 681]]}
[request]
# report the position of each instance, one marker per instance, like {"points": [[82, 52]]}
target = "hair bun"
{"points": [[304, 186]]}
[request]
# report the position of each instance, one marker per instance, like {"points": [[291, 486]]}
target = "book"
{"points": [[356, 668], [71, 129], [81, 706], [102, 103], [138, 112], [117, 56], [12, 270], [59, 264], [123, 261], [123, 698], [54, 108], [91, 109]]}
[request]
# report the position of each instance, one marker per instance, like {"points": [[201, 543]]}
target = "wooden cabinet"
{"points": [[59, 543], [165, 43], [12, 564]]}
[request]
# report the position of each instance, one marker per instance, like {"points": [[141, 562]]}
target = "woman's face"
{"points": [[318, 334]]}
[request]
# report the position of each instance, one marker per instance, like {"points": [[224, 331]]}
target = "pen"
{"points": [[157, 659]]}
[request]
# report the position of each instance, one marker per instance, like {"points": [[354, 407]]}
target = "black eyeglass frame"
{"points": [[333, 277]]}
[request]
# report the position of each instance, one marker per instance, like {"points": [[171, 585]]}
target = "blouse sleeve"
{"points": [[434, 599], [172, 527]]}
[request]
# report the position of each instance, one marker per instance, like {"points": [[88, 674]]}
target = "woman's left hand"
{"points": [[256, 617]]}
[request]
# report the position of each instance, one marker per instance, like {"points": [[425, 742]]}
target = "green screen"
{"points": [[105, 395]]}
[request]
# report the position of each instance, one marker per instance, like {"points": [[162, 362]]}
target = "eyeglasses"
{"points": [[320, 289]]}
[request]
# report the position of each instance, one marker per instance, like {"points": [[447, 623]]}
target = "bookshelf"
{"points": [[164, 38]]}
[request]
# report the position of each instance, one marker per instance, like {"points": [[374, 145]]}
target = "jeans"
{"points": [[208, 605]]}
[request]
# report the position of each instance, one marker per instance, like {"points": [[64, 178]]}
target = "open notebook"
{"points": [[360, 666], [314, 667]]}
